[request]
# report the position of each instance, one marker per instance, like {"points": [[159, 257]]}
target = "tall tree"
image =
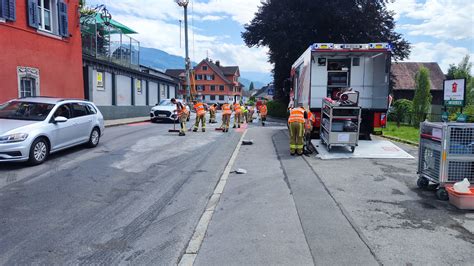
{"points": [[288, 27], [463, 71], [251, 86], [422, 99]]}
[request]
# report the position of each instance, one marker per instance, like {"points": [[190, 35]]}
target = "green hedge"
{"points": [[277, 109]]}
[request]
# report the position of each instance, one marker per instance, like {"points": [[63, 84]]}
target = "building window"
{"points": [[213, 87], [221, 97], [209, 77], [45, 15], [28, 82], [199, 77], [204, 68], [221, 87], [213, 97], [200, 87], [27, 87], [231, 89]]}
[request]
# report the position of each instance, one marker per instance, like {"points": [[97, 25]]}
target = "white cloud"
{"points": [[212, 18], [443, 19], [241, 11], [442, 53]]}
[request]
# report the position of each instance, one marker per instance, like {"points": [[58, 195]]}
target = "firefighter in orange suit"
{"points": [[237, 115], [296, 124], [212, 113], [226, 113], [200, 116], [263, 112], [309, 127], [183, 114]]}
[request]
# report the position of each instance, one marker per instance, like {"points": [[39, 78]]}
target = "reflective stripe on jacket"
{"points": [[226, 109], [200, 110], [296, 115]]}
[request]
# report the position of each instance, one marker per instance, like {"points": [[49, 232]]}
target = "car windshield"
{"points": [[166, 103], [25, 110]]}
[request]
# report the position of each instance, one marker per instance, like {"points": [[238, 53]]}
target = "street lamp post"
{"points": [[184, 4]]}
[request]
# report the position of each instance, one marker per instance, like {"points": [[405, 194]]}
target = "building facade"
{"points": [[41, 49], [211, 82]]}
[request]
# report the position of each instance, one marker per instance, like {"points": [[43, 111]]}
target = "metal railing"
{"points": [[108, 43]]}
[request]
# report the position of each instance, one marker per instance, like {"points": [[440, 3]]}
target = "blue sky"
{"points": [[440, 30]]}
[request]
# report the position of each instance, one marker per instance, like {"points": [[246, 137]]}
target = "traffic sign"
{"points": [[454, 92]]}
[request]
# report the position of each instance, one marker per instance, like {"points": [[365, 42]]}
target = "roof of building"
{"points": [[217, 70], [404, 75], [230, 70], [156, 72], [263, 92], [174, 72]]}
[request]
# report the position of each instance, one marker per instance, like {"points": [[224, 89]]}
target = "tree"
{"points": [[251, 86], [401, 110], [463, 71], [422, 99], [288, 27]]}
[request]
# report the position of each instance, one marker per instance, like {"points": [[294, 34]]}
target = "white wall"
{"points": [[153, 93], [140, 98], [102, 96], [124, 93]]}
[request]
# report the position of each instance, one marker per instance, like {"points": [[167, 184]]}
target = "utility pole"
{"points": [[184, 4]]}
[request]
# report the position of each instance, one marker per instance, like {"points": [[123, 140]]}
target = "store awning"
{"points": [[124, 29]]}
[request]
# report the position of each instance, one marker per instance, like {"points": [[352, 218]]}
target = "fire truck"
{"points": [[325, 70]]}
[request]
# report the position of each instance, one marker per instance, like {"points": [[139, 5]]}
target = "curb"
{"points": [[400, 140], [127, 122]]}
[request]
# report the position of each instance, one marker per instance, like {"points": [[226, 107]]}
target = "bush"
{"points": [[401, 111], [277, 109], [422, 98]]}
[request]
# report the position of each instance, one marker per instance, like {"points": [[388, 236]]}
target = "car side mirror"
{"points": [[156, 104], [60, 119]]}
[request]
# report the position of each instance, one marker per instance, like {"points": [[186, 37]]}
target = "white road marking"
{"points": [[200, 231]]}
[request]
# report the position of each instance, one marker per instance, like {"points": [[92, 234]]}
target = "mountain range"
{"points": [[162, 60]]}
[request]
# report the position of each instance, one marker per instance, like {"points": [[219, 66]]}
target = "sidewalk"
{"points": [[278, 213], [125, 121]]}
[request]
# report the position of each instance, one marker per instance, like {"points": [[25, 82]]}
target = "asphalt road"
{"points": [[136, 198]]}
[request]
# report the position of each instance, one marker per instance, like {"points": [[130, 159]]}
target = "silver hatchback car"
{"points": [[32, 128]]}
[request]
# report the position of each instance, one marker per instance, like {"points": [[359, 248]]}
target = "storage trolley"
{"points": [[446, 155], [340, 125]]}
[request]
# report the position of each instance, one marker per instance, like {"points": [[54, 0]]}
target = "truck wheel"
{"points": [[422, 183]]}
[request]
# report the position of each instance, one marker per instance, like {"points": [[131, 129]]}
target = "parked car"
{"points": [[164, 111], [33, 128]]}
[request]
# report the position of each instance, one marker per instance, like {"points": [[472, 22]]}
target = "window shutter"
{"points": [[63, 19], [33, 16], [8, 9], [11, 10]]}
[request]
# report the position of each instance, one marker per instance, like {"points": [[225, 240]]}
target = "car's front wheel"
{"points": [[39, 151], [94, 138]]}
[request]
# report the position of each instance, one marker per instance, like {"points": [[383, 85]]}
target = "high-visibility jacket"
{"points": [[226, 109], [297, 115], [182, 109], [200, 110], [263, 110], [310, 121], [237, 109]]}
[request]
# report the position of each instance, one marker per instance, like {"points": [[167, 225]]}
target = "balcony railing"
{"points": [[108, 42]]}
